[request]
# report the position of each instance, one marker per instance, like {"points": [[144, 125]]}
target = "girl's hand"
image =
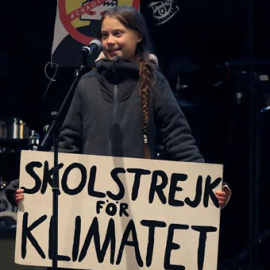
{"points": [[19, 195], [224, 196]]}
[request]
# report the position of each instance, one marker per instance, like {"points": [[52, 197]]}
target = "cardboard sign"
{"points": [[119, 213]]}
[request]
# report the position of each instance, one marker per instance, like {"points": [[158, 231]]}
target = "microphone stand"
{"points": [[55, 191], [54, 132]]}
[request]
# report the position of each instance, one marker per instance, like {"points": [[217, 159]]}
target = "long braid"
{"points": [[132, 19], [145, 83]]}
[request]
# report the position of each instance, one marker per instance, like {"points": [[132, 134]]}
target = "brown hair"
{"points": [[132, 19]]}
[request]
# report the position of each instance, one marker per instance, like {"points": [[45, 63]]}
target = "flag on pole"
{"points": [[76, 25]]}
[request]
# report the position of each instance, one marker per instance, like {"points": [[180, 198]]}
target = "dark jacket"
{"points": [[105, 116]]}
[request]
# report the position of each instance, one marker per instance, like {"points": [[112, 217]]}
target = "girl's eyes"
{"points": [[116, 34], [103, 36]]}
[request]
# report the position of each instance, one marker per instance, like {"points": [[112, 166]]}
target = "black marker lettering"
{"points": [[50, 252], [152, 224], [111, 209], [202, 240], [198, 195], [176, 177], [137, 181], [91, 184], [155, 188], [48, 175], [76, 239], [99, 206], [26, 234], [208, 191], [94, 232], [171, 245], [81, 181], [123, 208], [130, 229], [121, 193], [30, 170]]}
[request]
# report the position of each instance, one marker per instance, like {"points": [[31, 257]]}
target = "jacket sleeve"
{"points": [[10, 191], [175, 131], [70, 139]]}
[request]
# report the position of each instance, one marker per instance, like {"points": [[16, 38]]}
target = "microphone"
{"points": [[94, 47]]}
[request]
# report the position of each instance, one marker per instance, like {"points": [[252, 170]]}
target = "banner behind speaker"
{"points": [[77, 24]]}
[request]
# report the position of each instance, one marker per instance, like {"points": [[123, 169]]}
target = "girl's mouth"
{"points": [[113, 50]]}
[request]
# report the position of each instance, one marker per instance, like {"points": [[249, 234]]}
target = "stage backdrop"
{"points": [[119, 213], [77, 24]]}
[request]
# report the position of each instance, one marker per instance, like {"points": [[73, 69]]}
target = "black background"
{"points": [[195, 46]]}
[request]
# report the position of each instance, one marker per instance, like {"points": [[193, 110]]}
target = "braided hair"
{"points": [[132, 19]]}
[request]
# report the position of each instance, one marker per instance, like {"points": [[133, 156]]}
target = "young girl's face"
{"points": [[117, 40]]}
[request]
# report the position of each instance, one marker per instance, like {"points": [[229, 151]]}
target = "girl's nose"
{"points": [[110, 39]]}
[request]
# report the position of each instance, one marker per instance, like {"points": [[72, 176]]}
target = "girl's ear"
{"points": [[139, 38]]}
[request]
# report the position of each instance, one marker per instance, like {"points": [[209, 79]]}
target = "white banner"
{"points": [[119, 213]]}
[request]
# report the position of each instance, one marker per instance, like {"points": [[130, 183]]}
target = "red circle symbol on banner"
{"points": [[89, 9]]}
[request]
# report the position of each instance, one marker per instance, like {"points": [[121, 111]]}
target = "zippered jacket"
{"points": [[105, 116]]}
